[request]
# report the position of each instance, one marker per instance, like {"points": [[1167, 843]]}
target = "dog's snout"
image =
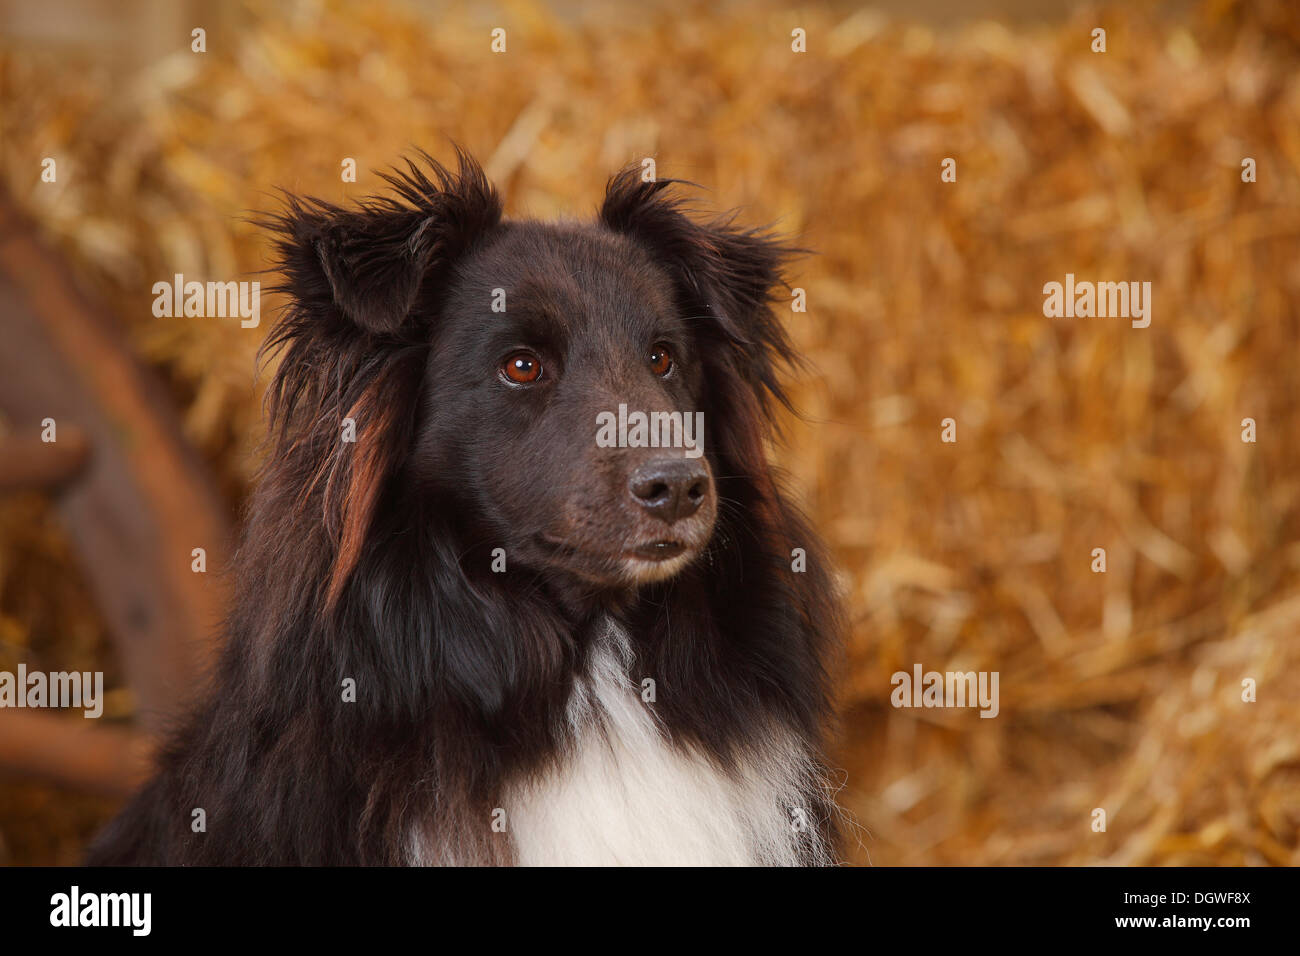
{"points": [[670, 488]]}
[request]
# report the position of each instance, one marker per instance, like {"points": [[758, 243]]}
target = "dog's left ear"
{"points": [[721, 272]]}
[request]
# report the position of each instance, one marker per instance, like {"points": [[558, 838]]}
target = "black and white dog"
{"points": [[466, 631]]}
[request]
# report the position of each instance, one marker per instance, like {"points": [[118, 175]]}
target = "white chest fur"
{"points": [[625, 795]]}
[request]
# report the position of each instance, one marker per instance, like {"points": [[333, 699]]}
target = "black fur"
{"points": [[372, 560]]}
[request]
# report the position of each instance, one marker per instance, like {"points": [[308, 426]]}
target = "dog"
{"points": [[466, 632]]}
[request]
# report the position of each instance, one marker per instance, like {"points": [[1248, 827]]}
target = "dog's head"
{"points": [[575, 394]]}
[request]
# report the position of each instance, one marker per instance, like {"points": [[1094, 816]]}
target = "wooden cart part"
{"points": [[133, 496]]}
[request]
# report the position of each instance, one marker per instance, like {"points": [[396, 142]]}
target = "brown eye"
{"points": [[661, 360], [522, 368]]}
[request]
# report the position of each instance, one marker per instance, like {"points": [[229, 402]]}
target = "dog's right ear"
{"points": [[367, 265], [364, 285]]}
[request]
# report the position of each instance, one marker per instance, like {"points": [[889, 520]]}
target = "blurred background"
{"points": [[1119, 690]]}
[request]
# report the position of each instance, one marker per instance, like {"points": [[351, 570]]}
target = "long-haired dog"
{"points": [[469, 632]]}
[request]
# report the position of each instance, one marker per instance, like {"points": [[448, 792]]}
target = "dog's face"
{"points": [[569, 393], [548, 335]]}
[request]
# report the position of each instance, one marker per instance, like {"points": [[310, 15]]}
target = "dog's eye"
{"points": [[522, 368], [661, 360]]}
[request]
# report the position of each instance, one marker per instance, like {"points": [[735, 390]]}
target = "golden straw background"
{"points": [[1121, 690]]}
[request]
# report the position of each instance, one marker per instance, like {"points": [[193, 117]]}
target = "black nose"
{"points": [[670, 488]]}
